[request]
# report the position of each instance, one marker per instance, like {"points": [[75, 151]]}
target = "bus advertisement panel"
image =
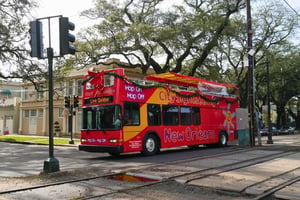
{"points": [[165, 110]]}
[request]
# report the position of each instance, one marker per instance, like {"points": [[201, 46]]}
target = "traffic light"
{"points": [[36, 39], [67, 102], [76, 101], [65, 38]]}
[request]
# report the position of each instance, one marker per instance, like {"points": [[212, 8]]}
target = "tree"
{"points": [[198, 38], [13, 39], [272, 25], [14, 44], [284, 81], [146, 36]]}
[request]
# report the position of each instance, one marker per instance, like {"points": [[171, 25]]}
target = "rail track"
{"points": [[189, 176]]}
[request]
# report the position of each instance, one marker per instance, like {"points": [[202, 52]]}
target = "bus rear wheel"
{"points": [[150, 145], [223, 139], [114, 154]]}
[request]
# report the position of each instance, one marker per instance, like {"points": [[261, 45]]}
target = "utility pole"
{"points": [[250, 76], [270, 140]]}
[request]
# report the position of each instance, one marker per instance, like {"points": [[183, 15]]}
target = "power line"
{"points": [[291, 7]]}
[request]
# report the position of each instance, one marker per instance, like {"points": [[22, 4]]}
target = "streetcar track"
{"points": [[129, 169], [209, 172], [278, 155], [240, 164], [277, 188]]}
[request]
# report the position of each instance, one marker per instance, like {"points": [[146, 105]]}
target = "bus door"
{"points": [[134, 124]]}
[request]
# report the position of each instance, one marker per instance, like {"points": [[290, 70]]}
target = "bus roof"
{"points": [[179, 79]]}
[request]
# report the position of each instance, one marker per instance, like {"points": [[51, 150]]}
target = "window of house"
{"points": [[26, 113], [70, 88], [25, 93], [154, 114], [33, 113], [185, 115], [79, 87], [170, 115], [40, 95], [40, 113], [60, 112], [196, 115]]}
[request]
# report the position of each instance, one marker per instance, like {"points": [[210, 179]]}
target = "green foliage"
{"points": [[14, 40], [207, 39], [284, 81], [13, 15], [147, 36]]}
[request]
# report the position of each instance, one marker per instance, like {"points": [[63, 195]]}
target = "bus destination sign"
{"points": [[98, 100]]}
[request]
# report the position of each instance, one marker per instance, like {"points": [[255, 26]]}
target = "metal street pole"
{"points": [[51, 164], [270, 140], [250, 76], [71, 124]]}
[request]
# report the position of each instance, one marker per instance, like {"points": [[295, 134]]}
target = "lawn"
{"points": [[35, 139]]}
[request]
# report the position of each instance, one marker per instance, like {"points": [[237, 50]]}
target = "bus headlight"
{"points": [[83, 140], [114, 140]]}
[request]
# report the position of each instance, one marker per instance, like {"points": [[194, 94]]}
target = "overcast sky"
{"points": [[72, 8]]}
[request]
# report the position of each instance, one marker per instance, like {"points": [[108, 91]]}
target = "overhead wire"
{"points": [[289, 5]]}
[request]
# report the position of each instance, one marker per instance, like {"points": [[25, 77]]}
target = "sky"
{"points": [[72, 9], [67, 8]]}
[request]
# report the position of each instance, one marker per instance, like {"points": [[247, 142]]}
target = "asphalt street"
{"points": [[26, 159]]}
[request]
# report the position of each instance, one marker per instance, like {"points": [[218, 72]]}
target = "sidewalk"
{"points": [[271, 174]]}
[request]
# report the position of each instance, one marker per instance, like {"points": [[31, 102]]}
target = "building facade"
{"points": [[10, 93], [34, 110]]}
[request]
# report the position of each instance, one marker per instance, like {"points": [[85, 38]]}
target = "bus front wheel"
{"points": [[150, 145]]}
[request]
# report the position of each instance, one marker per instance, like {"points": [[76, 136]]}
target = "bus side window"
{"points": [[131, 113], [154, 114], [196, 115], [185, 115], [170, 115]]}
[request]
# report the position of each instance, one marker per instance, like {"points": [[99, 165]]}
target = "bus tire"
{"points": [[193, 146], [150, 145], [113, 154], [223, 139]]}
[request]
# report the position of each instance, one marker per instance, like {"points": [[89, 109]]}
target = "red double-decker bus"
{"points": [[165, 110]]}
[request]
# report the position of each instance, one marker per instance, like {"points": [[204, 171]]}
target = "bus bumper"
{"points": [[103, 149]]}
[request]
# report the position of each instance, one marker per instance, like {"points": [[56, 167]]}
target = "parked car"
{"points": [[286, 130], [265, 131]]}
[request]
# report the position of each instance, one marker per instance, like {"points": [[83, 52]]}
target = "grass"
{"points": [[35, 139]]}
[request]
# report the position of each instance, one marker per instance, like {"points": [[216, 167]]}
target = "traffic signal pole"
{"points": [[52, 164], [36, 43], [71, 125]]}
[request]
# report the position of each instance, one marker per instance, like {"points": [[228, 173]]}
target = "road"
{"points": [[24, 159], [181, 173]]}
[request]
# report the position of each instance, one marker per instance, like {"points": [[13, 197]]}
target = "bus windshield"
{"points": [[102, 118]]}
